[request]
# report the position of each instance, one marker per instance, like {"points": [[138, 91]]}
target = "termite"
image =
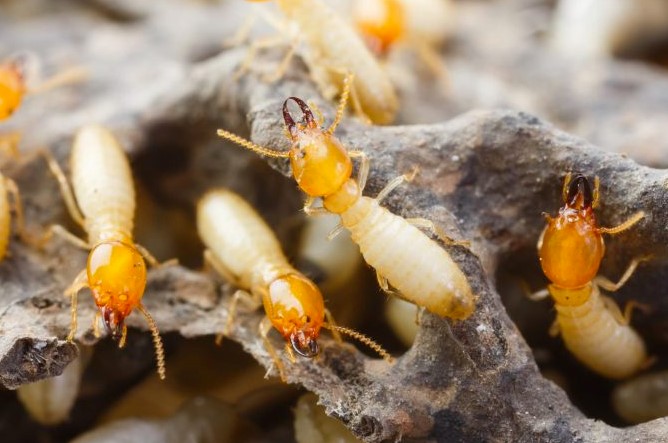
{"points": [[333, 49], [571, 249], [14, 84], [643, 398], [422, 25], [102, 201], [403, 256], [244, 250], [10, 199]]}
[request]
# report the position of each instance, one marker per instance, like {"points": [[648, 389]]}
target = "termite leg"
{"points": [[80, 282], [536, 296], [248, 299], [282, 66], [18, 209], [210, 260], [433, 61], [554, 330], [265, 327], [384, 284], [96, 323], [65, 188], [635, 218], [623, 318], [65, 235], [76, 74], [152, 261], [343, 101], [330, 319], [263, 43], [394, 183], [311, 210], [334, 232], [124, 337], [291, 354], [242, 34], [610, 286], [440, 233], [9, 144], [363, 172]]}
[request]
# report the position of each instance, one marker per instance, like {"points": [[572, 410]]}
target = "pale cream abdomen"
{"points": [[333, 43], [596, 338], [237, 235], [103, 186], [5, 218], [414, 264]]}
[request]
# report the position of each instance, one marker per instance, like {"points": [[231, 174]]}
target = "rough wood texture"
{"points": [[485, 176]]}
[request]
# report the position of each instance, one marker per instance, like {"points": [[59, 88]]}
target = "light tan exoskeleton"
{"points": [[571, 249], [103, 203], [418, 267], [244, 250], [333, 50], [8, 188]]}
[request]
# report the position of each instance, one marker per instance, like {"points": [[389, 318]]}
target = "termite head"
{"points": [[571, 247], [320, 163], [117, 278], [381, 22], [295, 307], [12, 88]]}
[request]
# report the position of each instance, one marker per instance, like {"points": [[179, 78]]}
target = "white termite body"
{"points": [[597, 338], [240, 239], [8, 187], [418, 267], [333, 49], [103, 186], [643, 398]]}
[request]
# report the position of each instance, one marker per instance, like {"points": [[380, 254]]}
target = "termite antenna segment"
{"points": [[252, 146], [157, 342], [363, 339]]}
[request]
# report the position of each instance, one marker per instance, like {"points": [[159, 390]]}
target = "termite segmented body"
{"points": [[418, 267], [333, 49], [243, 249], [115, 271], [571, 249]]}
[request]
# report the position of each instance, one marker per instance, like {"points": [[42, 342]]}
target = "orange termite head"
{"points": [[117, 278], [320, 163], [12, 88], [382, 22], [571, 248], [295, 307]]}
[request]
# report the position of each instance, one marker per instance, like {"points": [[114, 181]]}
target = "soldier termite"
{"points": [[571, 249], [244, 250], [332, 50], [103, 204], [418, 267]]}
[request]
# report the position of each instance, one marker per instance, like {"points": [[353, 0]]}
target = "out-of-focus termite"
{"points": [[333, 49], [422, 25], [571, 249], [14, 85], [643, 398], [244, 250], [418, 267], [103, 204]]}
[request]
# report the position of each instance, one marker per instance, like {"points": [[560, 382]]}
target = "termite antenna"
{"points": [[252, 146], [157, 342], [363, 339]]}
